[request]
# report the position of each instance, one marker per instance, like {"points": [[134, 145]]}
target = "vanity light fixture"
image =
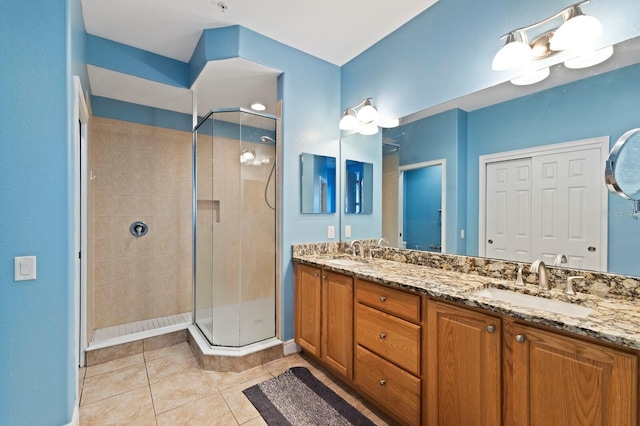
{"points": [[575, 33], [363, 117]]}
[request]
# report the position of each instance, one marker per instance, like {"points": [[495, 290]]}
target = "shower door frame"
{"points": [[277, 241]]}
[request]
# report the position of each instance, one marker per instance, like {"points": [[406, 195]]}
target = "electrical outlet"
{"points": [[331, 232], [462, 234], [347, 231]]}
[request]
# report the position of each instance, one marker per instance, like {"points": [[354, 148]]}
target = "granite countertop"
{"points": [[613, 320]]}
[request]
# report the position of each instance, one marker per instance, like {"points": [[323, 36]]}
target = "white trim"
{"points": [[443, 229], [291, 347], [75, 420], [80, 136], [601, 143], [209, 350]]}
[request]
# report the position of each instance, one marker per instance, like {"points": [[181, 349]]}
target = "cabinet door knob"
{"points": [[491, 328], [383, 382], [383, 335], [520, 338], [383, 298], [324, 277], [315, 274]]}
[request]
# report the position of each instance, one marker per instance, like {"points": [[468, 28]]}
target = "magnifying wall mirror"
{"points": [[622, 172]]}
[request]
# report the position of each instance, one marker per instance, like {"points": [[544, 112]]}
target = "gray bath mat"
{"points": [[297, 398]]}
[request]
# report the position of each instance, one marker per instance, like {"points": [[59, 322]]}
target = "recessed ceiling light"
{"points": [[257, 106]]}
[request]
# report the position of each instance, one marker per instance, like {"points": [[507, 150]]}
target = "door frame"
{"points": [[80, 177], [401, 169], [601, 143]]}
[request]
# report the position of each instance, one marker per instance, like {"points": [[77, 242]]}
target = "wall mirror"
{"points": [[358, 190], [571, 105], [317, 183], [622, 173]]}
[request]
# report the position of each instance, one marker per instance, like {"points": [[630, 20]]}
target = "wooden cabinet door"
{"points": [[307, 308], [463, 366], [337, 323], [557, 380]]}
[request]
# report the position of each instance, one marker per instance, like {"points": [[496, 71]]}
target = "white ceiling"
{"points": [[333, 30]]}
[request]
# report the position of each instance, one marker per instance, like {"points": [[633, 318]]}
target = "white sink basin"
{"points": [[344, 262], [528, 301]]}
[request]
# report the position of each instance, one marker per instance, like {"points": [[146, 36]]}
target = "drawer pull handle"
{"points": [[383, 298], [520, 338], [491, 328], [383, 382], [383, 335]]}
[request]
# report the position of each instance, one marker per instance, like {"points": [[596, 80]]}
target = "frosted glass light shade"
{"points": [[576, 32], [369, 129], [389, 124], [531, 77], [589, 59], [512, 55], [348, 122], [367, 114]]}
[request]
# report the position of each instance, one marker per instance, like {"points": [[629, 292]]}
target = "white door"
{"points": [[567, 214], [508, 216]]}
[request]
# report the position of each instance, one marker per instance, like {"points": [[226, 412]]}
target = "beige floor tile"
{"points": [[242, 409], [113, 383], [181, 388], [160, 368], [379, 419], [179, 349], [281, 365], [146, 422], [210, 410], [123, 409], [258, 421], [228, 380], [116, 364]]}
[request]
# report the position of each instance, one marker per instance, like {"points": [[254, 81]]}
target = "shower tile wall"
{"points": [[141, 173], [236, 229]]}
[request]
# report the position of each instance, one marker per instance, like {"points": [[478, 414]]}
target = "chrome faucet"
{"points": [[560, 258], [538, 267], [360, 246], [383, 242]]}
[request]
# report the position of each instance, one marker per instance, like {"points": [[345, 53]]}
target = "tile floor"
{"points": [[168, 387]]}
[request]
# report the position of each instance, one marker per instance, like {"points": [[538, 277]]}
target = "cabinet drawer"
{"points": [[395, 302], [392, 387], [392, 338]]}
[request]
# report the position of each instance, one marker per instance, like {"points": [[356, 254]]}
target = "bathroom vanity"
{"points": [[427, 348]]}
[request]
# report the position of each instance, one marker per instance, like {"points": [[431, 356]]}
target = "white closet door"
{"points": [[508, 210], [567, 215]]}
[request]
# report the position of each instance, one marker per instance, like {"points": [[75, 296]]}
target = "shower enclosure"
{"points": [[235, 227]]}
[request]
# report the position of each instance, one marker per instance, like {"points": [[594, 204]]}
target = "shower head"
{"points": [[267, 140]]}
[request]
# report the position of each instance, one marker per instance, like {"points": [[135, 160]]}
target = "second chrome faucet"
{"points": [[538, 267]]}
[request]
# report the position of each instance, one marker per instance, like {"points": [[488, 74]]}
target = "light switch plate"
{"points": [[24, 268], [347, 231], [331, 232]]}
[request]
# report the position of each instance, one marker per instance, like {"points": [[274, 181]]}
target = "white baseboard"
{"points": [[75, 420], [290, 347]]}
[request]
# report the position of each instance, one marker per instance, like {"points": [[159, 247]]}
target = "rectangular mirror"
{"points": [[358, 191], [317, 183]]}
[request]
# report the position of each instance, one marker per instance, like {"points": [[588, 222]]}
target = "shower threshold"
{"points": [[125, 333]]}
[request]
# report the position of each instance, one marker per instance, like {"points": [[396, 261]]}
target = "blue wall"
{"points": [[40, 49], [604, 105], [423, 203], [442, 136], [446, 51]]}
